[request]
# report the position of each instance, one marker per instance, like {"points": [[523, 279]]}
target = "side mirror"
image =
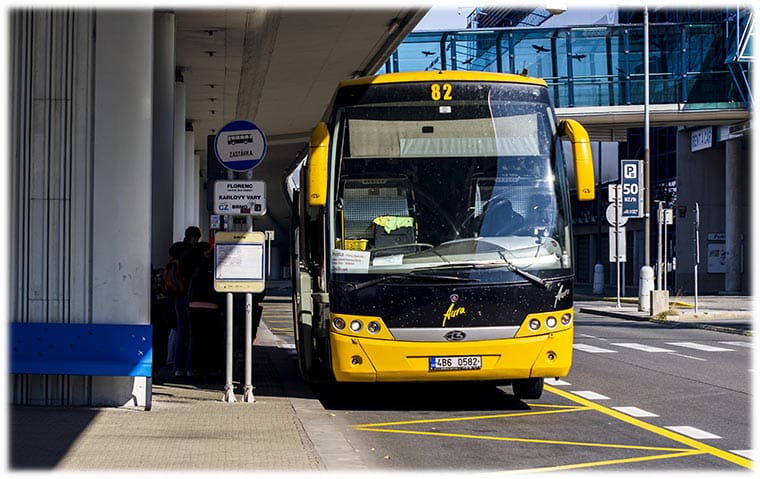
{"points": [[582, 159], [317, 165]]}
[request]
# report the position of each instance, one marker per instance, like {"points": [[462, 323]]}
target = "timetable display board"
{"points": [[239, 262]]}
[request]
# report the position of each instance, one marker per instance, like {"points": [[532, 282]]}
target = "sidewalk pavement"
{"points": [[286, 429], [191, 428], [731, 314]]}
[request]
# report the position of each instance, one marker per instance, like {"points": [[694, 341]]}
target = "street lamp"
{"points": [[646, 276], [556, 7]]}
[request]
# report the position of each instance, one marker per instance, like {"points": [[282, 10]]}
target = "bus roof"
{"points": [[442, 75]]}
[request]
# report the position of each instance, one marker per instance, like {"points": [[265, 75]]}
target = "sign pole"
{"points": [[668, 213], [248, 391], [239, 146], [229, 388], [659, 244], [696, 257], [617, 245]]}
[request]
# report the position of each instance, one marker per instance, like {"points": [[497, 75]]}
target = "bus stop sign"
{"points": [[240, 145]]}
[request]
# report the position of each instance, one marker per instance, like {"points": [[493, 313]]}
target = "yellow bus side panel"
{"points": [[370, 360]]}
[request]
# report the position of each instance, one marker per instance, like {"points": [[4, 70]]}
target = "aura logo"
{"points": [[453, 310]]}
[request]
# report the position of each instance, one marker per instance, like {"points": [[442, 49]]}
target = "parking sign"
{"points": [[631, 186]]}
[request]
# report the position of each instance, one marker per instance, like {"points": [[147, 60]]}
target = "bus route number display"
{"points": [[239, 262]]}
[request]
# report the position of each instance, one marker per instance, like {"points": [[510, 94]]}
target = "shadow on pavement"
{"points": [[418, 396], [40, 437]]}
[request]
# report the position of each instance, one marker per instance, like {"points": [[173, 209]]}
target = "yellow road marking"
{"points": [[471, 418], [699, 446], [524, 440], [610, 462]]}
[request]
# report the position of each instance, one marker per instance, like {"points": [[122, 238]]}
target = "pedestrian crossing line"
{"points": [[748, 453], [643, 347], [741, 344], [687, 356], [693, 432], [591, 395], [556, 382], [700, 347], [591, 349], [635, 412]]}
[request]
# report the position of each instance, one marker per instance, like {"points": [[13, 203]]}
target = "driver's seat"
{"points": [[500, 219]]}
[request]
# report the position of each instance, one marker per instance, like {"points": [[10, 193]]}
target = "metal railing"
{"points": [[599, 65]]}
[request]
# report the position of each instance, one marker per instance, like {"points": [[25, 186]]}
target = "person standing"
{"points": [[206, 306], [186, 253]]}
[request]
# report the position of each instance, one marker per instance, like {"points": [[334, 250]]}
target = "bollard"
{"points": [[598, 278], [646, 285]]}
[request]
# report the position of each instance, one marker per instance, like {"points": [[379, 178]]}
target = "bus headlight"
{"points": [[551, 322], [373, 327], [566, 318], [534, 324], [339, 323], [355, 325]]}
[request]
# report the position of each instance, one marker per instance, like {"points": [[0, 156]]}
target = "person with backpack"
{"points": [[183, 257]]}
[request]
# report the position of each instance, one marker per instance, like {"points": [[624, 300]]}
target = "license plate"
{"points": [[454, 363]]}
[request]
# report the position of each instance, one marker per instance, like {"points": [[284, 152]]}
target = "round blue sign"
{"points": [[240, 145]]}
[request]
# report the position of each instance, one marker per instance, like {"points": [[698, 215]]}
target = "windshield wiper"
{"points": [[411, 274], [529, 276]]}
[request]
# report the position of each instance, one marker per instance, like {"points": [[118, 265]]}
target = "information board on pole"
{"points": [[239, 262], [631, 189], [617, 247], [240, 197]]}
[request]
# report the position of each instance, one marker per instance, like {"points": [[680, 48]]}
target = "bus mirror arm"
{"points": [[582, 158], [317, 165]]}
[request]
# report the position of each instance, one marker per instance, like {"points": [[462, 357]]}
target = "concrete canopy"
{"points": [[278, 68]]}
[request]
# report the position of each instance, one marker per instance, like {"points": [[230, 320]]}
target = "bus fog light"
{"points": [[566, 318], [551, 322], [355, 325], [534, 324], [551, 356], [356, 360], [373, 327], [339, 323]]}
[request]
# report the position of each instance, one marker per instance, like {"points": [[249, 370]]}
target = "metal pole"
{"points": [[229, 388], [248, 391], [617, 241], [665, 252], [647, 181], [696, 255], [659, 245]]}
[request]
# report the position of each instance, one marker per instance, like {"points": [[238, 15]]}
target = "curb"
{"points": [[669, 322]]}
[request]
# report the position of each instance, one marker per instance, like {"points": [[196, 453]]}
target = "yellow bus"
{"points": [[431, 233]]}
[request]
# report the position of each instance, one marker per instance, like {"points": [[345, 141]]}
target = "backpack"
{"points": [[173, 282]]}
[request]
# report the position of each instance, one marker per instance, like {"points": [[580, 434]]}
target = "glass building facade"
{"points": [[698, 59]]}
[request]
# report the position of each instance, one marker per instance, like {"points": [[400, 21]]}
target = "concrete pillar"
{"points": [[122, 171], [734, 173], [121, 177], [179, 161], [163, 137]]}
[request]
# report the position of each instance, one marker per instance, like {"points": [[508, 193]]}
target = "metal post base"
{"points": [[248, 394], [229, 394]]}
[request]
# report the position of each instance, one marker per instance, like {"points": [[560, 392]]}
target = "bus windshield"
{"points": [[422, 182]]}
